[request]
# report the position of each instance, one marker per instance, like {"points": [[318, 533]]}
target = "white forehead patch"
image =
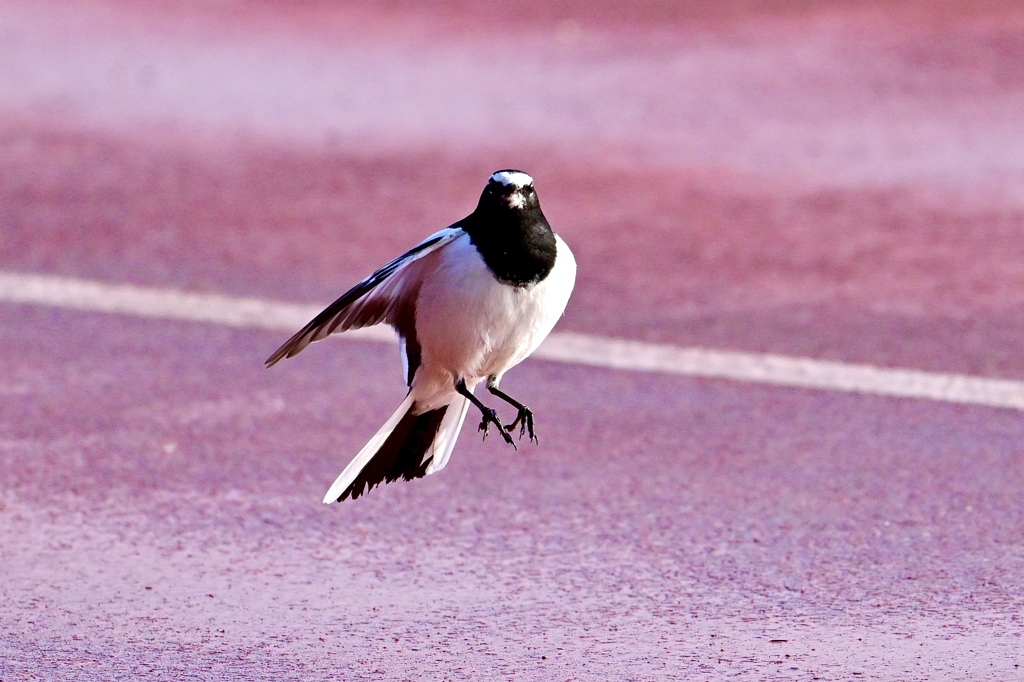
{"points": [[508, 178]]}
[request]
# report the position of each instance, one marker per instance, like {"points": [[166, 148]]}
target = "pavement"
{"points": [[843, 181]]}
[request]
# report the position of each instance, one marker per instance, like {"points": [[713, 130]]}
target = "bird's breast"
{"points": [[471, 324]]}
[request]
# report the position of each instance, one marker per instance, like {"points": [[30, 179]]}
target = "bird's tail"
{"points": [[408, 446]]}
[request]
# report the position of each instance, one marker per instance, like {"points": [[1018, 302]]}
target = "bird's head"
{"points": [[509, 189], [510, 231]]}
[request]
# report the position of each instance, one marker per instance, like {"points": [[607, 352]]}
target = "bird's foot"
{"points": [[524, 420], [491, 417]]}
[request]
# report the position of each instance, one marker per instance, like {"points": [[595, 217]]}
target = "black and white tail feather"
{"points": [[468, 303]]}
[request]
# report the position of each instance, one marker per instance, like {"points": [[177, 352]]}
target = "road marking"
{"points": [[567, 347], [127, 299]]}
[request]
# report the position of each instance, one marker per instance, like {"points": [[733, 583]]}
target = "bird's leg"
{"points": [[524, 420], [489, 415]]}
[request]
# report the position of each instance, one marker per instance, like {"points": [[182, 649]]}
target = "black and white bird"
{"points": [[468, 303]]}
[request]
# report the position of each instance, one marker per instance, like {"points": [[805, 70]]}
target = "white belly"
{"points": [[471, 326]]}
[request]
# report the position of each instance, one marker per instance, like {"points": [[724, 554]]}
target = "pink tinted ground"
{"points": [[162, 517], [845, 185], [836, 181]]}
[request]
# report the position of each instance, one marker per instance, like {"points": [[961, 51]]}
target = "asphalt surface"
{"points": [[842, 181]]}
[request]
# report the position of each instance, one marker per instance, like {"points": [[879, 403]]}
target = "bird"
{"points": [[468, 303]]}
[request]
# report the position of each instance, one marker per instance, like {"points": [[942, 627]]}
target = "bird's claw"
{"points": [[491, 417], [524, 420]]}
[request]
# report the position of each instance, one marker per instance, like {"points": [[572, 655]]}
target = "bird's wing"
{"points": [[374, 300]]}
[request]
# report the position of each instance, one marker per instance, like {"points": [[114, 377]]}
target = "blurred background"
{"points": [[835, 179]]}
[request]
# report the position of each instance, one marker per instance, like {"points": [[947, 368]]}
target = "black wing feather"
{"points": [[327, 321]]}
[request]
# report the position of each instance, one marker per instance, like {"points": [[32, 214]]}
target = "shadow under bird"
{"points": [[468, 303]]}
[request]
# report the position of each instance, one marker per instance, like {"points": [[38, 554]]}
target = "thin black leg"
{"points": [[524, 420], [489, 415]]}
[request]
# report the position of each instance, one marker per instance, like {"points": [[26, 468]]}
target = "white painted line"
{"points": [[781, 370], [79, 294], [565, 347]]}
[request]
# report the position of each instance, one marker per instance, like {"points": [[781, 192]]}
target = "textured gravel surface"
{"points": [[161, 515], [838, 180]]}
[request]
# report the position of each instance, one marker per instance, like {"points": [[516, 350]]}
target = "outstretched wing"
{"points": [[368, 303]]}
